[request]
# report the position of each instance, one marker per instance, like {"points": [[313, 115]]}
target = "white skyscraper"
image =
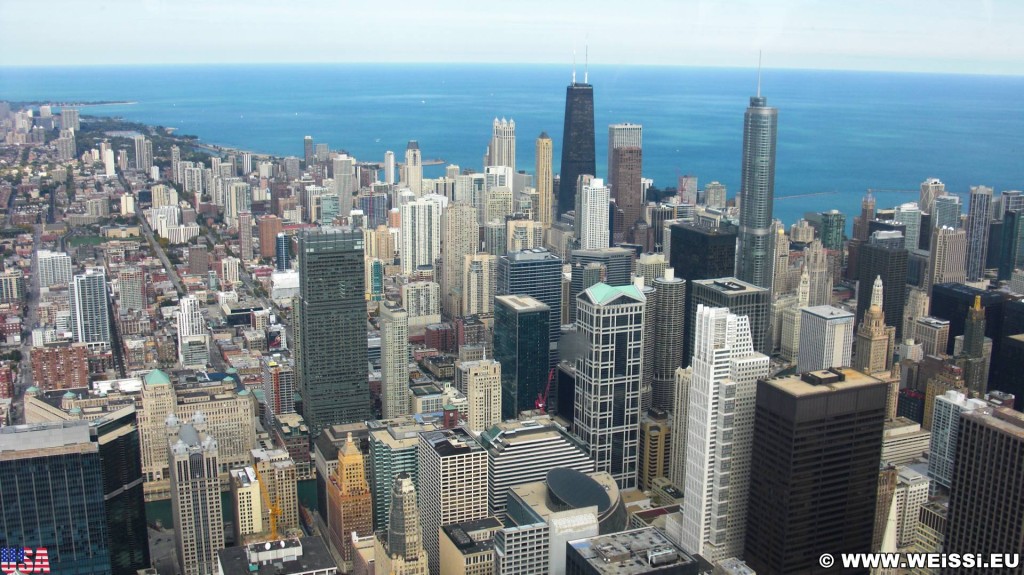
{"points": [[108, 162], [143, 153], [479, 280], [909, 214], [452, 484], [413, 168], [193, 340], [719, 433], [389, 167], [422, 301], [394, 360], [911, 493], [421, 232], [163, 196], [481, 382], [502, 151], [346, 182], [593, 216], [90, 316], [54, 268], [931, 189], [610, 323], [131, 281], [461, 239], [947, 261], [826, 338], [946, 435]]}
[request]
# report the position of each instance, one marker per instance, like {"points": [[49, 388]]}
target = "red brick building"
{"points": [[63, 366]]}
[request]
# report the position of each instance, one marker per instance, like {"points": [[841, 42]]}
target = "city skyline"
{"points": [[818, 35], [457, 371]]}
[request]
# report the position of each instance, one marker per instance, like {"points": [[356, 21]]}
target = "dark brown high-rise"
{"points": [[986, 502], [269, 226], [814, 469], [626, 187]]}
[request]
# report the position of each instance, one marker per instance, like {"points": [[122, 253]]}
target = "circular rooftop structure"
{"points": [[571, 489]]}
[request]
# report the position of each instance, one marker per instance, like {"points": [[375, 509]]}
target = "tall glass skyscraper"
{"points": [[330, 322], [118, 437], [578, 156], [51, 495], [947, 212], [521, 346], [282, 252], [979, 216], [538, 274], [833, 229], [757, 193]]}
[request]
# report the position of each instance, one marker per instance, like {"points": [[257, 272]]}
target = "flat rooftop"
{"points": [[636, 551], [1001, 419], [304, 555], [522, 302], [823, 381], [533, 254], [730, 286], [461, 534], [828, 312], [45, 439], [449, 442], [933, 322], [901, 425]]}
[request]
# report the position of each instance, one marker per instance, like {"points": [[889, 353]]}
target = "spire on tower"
{"points": [[876, 292], [586, 63], [758, 73], [574, 66]]}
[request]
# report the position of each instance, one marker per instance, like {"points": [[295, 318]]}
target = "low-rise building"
{"points": [[625, 553], [303, 556], [903, 441], [467, 548]]}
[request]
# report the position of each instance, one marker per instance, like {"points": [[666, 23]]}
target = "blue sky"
{"points": [[975, 36]]}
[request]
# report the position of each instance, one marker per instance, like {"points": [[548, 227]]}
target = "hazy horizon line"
{"points": [[506, 64]]}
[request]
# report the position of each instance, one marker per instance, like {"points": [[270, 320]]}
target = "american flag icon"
{"points": [[24, 560]]}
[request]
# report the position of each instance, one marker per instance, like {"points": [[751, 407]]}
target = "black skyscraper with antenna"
{"points": [[577, 140]]}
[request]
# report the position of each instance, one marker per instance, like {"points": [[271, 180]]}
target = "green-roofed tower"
{"points": [[610, 325]]}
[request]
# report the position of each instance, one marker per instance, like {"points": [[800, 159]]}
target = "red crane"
{"points": [[541, 403]]}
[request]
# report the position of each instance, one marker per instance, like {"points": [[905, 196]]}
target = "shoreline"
{"points": [[73, 104]]}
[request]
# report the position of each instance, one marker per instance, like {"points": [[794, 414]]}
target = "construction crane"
{"points": [[275, 511], [541, 403]]}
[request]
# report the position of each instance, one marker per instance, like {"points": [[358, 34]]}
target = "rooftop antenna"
{"points": [[586, 62], [758, 73], [574, 65]]}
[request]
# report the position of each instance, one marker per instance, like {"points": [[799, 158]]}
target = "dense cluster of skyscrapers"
{"points": [[503, 372]]}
